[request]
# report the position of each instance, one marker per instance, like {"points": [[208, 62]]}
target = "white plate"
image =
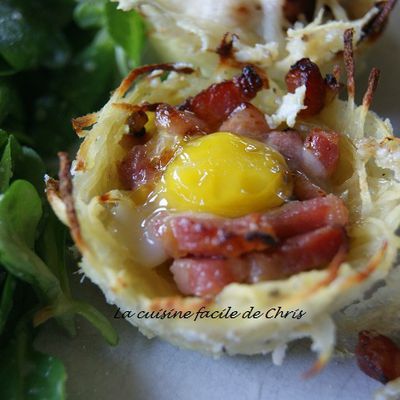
{"points": [[143, 369]]}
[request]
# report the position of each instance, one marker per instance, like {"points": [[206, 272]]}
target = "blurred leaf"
{"points": [[97, 319], [18, 47], [9, 103], [3, 138], [30, 167], [88, 79], [20, 163], [52, 246], [20, 212], [76, 90], [90, 13], [7, 162], [128, 31], [5, 68], [28, 374], [55, 14], [56, 51], [28, 38], [6, 300]]}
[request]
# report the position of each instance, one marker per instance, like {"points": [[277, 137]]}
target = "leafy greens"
{"points": [[59, 59]]}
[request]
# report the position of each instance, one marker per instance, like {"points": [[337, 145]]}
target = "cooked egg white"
{"points": [[129, 225]]}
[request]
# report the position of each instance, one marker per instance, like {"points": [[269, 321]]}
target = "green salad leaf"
{"points": [[20, 213], [32, 250], [88, 78], [128, 31], [30, 167], [72, 91], [28, 374], [9, 103], [90, 13], [98, 320], [10, 154], [6, 299], [21, 162], [28, 38], [59, 59], [52, 249]]}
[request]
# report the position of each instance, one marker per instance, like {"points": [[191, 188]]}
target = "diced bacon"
{"points": [[324, 145], [304, 189], [214, 104], [144, 164], [317, 158], [136, 122], [136, 168], [181, 123], [205, 235], [298, 217], [378, 356], [207, 277], [290, 144], [297, 254], [246, 120], [307, 73]]}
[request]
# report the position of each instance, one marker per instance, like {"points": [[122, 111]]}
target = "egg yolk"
{"points": [[150, 125], [227, 175]]}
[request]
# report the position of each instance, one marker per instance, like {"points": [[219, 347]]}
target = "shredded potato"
{"points": [[369, 184], [191, 30]]}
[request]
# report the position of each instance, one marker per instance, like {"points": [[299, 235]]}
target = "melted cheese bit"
{"points": [[227, 175]]}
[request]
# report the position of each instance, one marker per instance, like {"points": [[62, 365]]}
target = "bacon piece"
{"points": [[317, 157], [207, 277], [290, 144], [136, 122], [304, 189], [145, 162], [378, 356], [136, 168], [324, 145], [297, 254], [207, 236], [178, 122], [292, 9], [307, 73], [215, 103], [191, 234], [246, 120], [298, 217]]}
